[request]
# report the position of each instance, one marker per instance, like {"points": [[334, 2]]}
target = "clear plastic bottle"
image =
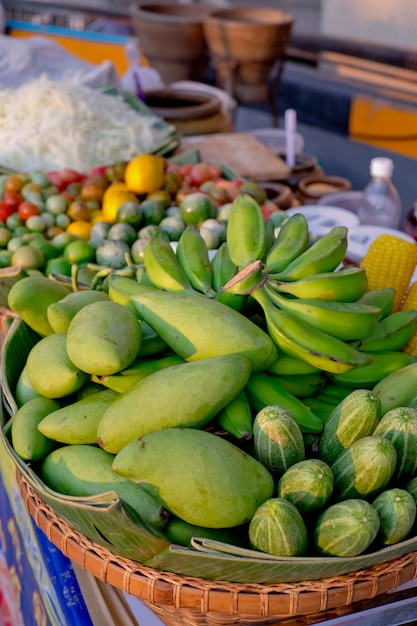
{"points": [[381, 204]]}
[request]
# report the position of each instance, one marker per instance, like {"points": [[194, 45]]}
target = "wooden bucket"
{"points": [[248, 47]]}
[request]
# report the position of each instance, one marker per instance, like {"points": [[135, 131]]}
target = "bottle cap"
{"points": [[382, 166]]}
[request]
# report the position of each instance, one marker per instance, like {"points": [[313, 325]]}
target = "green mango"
{"points": [[197, 327], [50, 371], [24, 390], [85, 470], [189, 394], [27, 441], [180, 532], [61, 313], [103, 338], [30, 298], [151, 344], [77, 422], [198, 476]]}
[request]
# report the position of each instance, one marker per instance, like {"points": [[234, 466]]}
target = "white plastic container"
{"points": [[274, 139]]}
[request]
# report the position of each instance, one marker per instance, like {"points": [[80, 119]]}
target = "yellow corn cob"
{"points": [[410, 303], [390, 262]]}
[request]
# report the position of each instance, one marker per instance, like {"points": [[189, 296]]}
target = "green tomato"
{"points": [[36, 224], [5, 236], [57, 204], [62, 220], [13, 221], [5, 258], [15, 243], [38, 177]]}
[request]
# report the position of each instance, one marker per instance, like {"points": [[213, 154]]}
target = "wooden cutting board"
{"points": [[240, 151]]}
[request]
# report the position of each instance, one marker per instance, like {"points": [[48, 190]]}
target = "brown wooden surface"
{"points": [[241, 151]]}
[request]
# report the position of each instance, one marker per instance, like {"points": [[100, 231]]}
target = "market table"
{"points": [[393, 608]]}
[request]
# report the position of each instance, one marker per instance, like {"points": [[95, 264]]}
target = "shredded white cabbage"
{"points": [[53, 125]]}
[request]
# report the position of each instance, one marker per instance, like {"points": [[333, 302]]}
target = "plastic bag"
{"points": [[139, 79], [22, 60]]}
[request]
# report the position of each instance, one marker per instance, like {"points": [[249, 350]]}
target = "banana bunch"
{"points": [[318, 312]]}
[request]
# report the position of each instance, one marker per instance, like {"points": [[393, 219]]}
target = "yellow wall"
{"points": [[384, 124], [87, 49]]}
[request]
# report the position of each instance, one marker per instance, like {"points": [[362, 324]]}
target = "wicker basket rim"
{"points": [[163, 588]]}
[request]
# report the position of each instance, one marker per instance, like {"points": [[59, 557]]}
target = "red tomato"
{"points": [[172, 167], [14, 198], [5, 211], [13, 183], [71, 176], [68, 196], [97, 171], [27, 209], [62, 178], [185, 168], [55, 179], [268, 208], [215, 170], [200, 173], [229, 186]]}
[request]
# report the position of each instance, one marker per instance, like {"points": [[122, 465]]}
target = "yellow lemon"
{"points": [[145, 173], [112, 202], [118, 186], [97, 216], [81, 228]]}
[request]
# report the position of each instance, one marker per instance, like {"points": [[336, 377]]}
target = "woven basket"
{"points": [[186, 601]]}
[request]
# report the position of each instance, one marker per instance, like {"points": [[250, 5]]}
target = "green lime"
{"points": [[20, 231], [5, 236], [29, 237], [160, 195], [153, 211], [174, 226], [58, 265], [136, 250], [28, 257], [197, 207], [49, 251], [79, 252], [123, 232], [129, 213], [152, 230], [13, 221], [5, 258], [61, 240]]}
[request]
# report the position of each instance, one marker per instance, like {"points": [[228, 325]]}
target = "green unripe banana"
{"points": [[245, 234], [292, 240]]}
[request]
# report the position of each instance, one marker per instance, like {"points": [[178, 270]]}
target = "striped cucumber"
{"points": [[346, 528], [365, 468], [353, 418], [400, 427], [277, 438]]}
